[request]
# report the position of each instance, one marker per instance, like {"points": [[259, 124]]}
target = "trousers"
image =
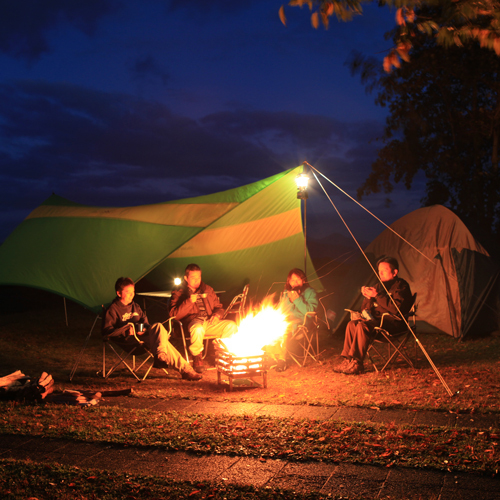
{"points": [[358, 336], [158, 342], [201, 328]]}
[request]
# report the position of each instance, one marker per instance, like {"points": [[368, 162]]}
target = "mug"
{"points": [[139, 327]]}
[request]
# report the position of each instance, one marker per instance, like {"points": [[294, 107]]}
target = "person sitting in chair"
{"points": [[119, 321], [297, 299], [360, 331], [196, 304]]}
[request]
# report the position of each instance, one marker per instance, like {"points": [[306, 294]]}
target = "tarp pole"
{"points": [[434, 367], [305, 237], [65, 311]]}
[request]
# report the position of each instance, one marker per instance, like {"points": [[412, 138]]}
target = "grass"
{"points": [[34, 338], [263, 437]]}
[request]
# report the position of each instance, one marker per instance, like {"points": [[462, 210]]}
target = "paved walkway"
{"points": [[341, 479]]}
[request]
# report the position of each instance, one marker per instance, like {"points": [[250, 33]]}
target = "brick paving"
{"points": [[340, 479]]}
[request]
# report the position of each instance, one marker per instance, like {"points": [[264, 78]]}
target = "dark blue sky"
{"points": [[117, 103]]}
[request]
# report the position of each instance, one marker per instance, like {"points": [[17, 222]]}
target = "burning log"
{"points": [[236, 367], [242, 355]]}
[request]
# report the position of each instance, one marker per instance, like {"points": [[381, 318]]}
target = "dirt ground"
{"points": [[34, 338]]}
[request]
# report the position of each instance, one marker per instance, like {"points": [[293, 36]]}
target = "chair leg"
{"points": [[122, 359], [306, 343], [104, 359], [393, 351]]}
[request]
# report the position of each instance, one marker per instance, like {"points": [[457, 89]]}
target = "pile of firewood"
{"points": [[19, 387]]}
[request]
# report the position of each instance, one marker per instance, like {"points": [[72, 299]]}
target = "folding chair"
{"points": [[176, 329], [127, 354], [306, 337], [237, 305], [395, 342], [179, 333]]}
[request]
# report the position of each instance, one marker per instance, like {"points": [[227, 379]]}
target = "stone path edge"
{"points": [[353, 414]]}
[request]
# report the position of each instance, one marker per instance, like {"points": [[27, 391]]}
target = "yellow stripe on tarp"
{"points": [[241, 236], [188, 215]]}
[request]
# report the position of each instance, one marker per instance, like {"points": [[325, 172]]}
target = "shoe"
{"points": [[189, 374], [355, 367], [198, 364], [340, 367], [161, 360], [281, 365]]}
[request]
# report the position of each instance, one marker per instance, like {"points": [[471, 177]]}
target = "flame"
{"points": [[257, 330]]}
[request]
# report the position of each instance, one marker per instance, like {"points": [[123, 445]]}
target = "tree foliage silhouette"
{"points": [[444, 122]]}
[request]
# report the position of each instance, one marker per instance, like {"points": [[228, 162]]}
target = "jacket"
{"points": [[183, 309], [296, 310], [118, 316], [400, 292]]}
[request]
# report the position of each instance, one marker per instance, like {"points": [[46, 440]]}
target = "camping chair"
{"points": [[395, 342], [176, 329], [237, 305], [237, 308], [127, 354], [306, 338], [178, 332]]}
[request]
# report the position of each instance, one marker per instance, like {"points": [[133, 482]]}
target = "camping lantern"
{"points": [[302, 181]]}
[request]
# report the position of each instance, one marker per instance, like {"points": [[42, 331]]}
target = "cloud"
{"points": [[205, 6], [25, 25], [113, 149], [147, 67]]}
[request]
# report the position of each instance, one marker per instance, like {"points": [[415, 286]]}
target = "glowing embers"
{"points": [[241, 356], [234, 367]]}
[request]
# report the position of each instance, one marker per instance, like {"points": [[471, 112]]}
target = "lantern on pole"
{"points": [[302, 181]]}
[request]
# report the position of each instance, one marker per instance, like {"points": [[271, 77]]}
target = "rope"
{"points": [[434, 367]]}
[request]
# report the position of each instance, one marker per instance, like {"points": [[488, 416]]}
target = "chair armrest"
{"points": [[384, 315], [381, 326], [170, 328], [310, 314]]}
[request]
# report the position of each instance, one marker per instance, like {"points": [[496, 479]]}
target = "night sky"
{"points": [[118, 103]]}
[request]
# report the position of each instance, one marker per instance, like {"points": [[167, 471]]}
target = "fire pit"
{"points": [[234, 367]]}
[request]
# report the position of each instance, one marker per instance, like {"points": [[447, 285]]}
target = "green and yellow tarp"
{"points": [[251, 234]]}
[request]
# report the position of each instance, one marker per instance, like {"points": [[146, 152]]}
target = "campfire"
{"points": [[241, 356]]}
